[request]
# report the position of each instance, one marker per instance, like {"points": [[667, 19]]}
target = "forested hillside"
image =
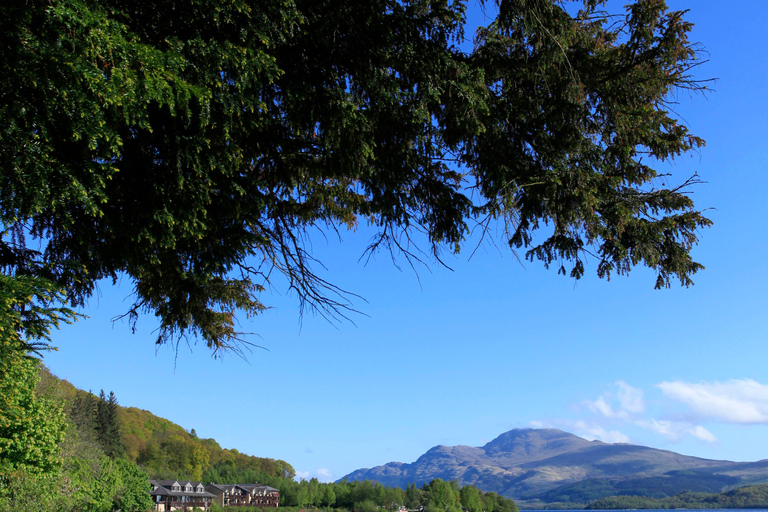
{"points": [[166, 450], [755, 496]]}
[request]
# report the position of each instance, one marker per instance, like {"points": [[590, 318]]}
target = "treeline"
{"points": [[366, 496], [755, 496]]}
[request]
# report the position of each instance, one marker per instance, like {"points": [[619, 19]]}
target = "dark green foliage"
{"points": [[108, 425], [83, 414], [755, 497], [670, 484], [193, 145]]}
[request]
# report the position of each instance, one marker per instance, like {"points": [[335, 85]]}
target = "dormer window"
{"points": [[176, 488], [188, 488], [200, 488]]}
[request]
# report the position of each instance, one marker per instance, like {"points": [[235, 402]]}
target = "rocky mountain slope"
{"points": [[554, 466]]}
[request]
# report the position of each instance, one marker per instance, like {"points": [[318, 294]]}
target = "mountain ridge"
{"points": [[552, 465]]}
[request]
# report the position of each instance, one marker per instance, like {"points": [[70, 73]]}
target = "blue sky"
{"points": [[460, 356]]}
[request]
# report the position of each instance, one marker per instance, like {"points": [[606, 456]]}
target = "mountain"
{"points": [[550, 465]]}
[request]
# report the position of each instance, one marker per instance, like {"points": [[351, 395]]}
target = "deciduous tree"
{"points": [[31, 426]]}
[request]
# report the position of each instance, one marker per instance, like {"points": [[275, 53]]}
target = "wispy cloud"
{"points": [[735, 401], [630, 401], [624, 406], [703, 434], [675, 431], [590, 431]]}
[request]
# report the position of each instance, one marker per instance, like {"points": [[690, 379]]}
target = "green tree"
{"points": [[133, 492], [31, 426], [83, 414], [329, 496], [414, 497], [193, 146], [471, 498], [443, 495], [365, 506], [32, 492], [108, 425]]}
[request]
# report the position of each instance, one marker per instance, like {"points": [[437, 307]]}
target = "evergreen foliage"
{"points": [[754, 497], [667, 485], [108, 425], [193, 146]]}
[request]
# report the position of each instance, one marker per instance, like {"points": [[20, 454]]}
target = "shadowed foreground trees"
{"points": [[192, 145]]}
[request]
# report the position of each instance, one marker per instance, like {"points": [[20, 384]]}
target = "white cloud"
{"points": [[624, 405], [602, 407], [703, 434], [591, 432], [735, 401], [324, 475], [675, 430], [630, 401], [661, 427]]}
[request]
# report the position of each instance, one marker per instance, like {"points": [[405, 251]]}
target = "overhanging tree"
{"points": [[192, 144]]}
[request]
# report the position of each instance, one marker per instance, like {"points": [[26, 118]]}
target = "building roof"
{"points": [[163, 488]]}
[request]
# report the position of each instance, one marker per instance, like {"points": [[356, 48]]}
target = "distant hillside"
{"points": [[549, 465], [752, 497], [166, 450]]}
